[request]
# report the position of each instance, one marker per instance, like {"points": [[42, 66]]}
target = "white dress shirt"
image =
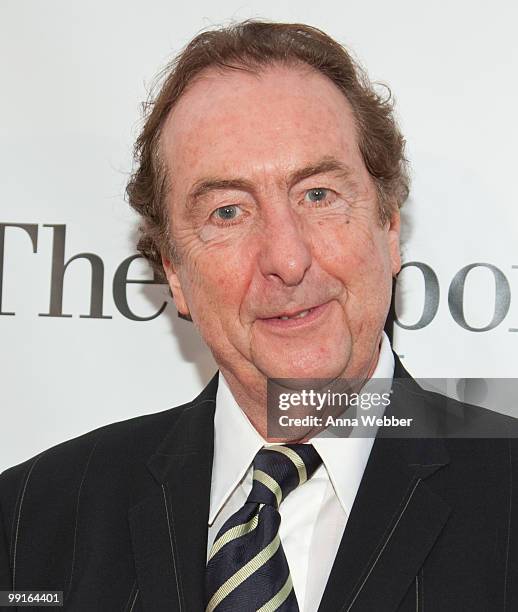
{"points": [[313, 516]]}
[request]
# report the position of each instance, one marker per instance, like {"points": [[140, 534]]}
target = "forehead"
{"points": [[238, 123]]}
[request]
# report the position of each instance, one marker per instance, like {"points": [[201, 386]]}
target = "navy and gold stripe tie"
{"points": [[247, 568]]}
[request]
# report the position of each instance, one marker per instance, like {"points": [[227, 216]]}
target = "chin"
{"points": [[291, 370], [326, 359]]}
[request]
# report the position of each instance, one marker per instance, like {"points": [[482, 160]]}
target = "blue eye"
{"points": [[317, 195], [226, 213]]}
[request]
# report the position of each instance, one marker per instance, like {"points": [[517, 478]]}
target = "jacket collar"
{"points": [[169, 528], [396, 517]]}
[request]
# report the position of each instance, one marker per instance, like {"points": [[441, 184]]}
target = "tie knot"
{"points": [[279, 469]]}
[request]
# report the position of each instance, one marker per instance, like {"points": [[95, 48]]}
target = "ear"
{"points": [[394, 230], [170, 270]]}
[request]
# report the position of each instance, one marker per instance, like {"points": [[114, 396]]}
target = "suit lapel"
{"points": [[169, 528], [395, 520]]}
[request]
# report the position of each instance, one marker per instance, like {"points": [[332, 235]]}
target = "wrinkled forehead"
{"points": [[263, 122]]}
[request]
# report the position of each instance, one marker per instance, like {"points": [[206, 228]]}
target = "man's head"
{"points": [[269, 181]]}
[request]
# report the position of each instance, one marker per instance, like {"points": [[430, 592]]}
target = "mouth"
{"points": [[298, 314], [295, 318]]}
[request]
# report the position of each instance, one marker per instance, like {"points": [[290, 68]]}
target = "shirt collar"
{"points": [[236, 442]]}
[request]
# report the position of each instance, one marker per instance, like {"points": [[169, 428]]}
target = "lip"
{"points": [[279, 324]]}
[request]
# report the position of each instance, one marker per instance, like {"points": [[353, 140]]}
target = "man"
{"points": [[269, 181]]}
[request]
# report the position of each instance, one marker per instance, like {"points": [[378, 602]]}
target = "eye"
{"points": [[227, 213], [318, 195]]}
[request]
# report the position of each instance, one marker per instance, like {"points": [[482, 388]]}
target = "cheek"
{"points": [[215, 280], [356, 255], [339, 246]]}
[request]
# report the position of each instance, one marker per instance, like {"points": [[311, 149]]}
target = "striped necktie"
{"points": [[247, 568]]}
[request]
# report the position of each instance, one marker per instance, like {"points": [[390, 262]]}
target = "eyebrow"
{"points": [[326, 165]]}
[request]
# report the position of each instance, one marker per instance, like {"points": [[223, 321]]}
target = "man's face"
{"points": [[284, 266]]}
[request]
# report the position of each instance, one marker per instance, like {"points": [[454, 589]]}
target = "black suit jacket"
{"points": [[117, 519]]}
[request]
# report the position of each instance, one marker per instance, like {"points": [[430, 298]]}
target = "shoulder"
{"points": [[482, 443], [438, 415], [105, 469], [113, 453]]}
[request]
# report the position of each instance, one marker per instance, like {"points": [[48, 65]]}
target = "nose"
{"points": [[285, 253]]}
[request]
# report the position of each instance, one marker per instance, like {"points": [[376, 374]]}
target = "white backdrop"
{"points": [[73, 76]]}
